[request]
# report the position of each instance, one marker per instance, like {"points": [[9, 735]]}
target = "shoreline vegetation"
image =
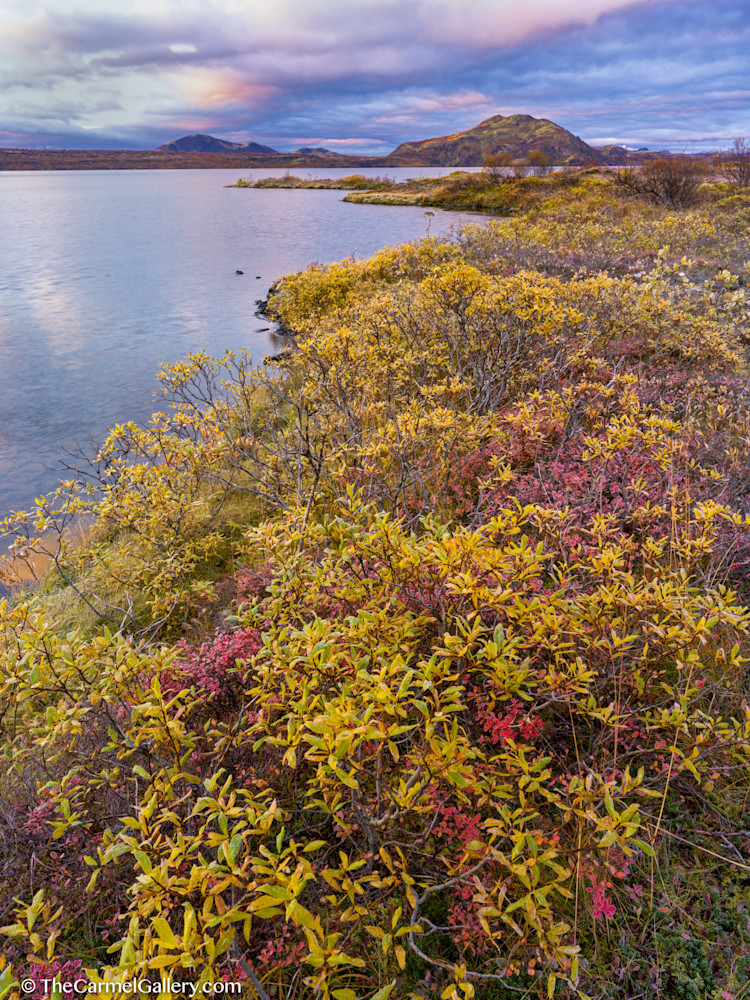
{"points": [[460, 190], [161, 159], [417, 665], [504, 191]]}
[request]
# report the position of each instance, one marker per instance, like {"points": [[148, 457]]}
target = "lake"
{"points": [[104, 274]]}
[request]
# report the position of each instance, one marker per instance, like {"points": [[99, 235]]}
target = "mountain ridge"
{"points": [[513, 135], [199, 143]]}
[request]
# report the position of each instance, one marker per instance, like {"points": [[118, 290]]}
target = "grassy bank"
{"points": [[479, 192], [352, 182], [420, 667], [589, 189]]}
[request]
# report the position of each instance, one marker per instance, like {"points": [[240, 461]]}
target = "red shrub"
{"points": [[209, 667]]}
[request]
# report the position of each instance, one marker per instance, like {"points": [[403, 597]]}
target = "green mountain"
{"points": [[516, 135]]}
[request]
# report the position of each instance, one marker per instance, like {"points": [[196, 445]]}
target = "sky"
{"points": [[361, 76]]}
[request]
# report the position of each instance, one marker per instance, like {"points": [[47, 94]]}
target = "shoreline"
{"points": [[12, 159]]}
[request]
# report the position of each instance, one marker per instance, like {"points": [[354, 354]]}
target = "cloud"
{"points": [[489, 24], [353, 140], [378, 70], [208, 88]]}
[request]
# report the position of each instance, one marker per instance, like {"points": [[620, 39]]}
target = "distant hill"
{"points": [[209, 144], [315, 151], [516, 135], [626, 154]]}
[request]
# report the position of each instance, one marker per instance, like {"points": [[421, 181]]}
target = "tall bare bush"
{"points": [[737, 168], [674, 181]]}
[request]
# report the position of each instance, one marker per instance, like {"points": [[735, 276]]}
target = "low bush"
{"points": [[418, 667]]}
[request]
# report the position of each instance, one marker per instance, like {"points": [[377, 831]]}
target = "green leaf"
{"points": [[127, 956], [404, 686], [348, 780], [262, 903], [235, 845], [384, 992], [277, 891], [314, 845], [303, 917], [6, 981], [144, 861], [610, 807]]}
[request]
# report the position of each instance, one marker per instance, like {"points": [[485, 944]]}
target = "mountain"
{"points": [[619, 155], [315, 151], [209, 144], [517, 135]]}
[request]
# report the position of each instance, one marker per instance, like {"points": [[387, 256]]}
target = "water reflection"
{"points": [[105, 274]]}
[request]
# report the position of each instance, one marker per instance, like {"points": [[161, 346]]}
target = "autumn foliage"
{"points": [[417, 665]]}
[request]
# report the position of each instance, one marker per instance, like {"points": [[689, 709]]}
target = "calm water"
{"points": [[104, 274]]}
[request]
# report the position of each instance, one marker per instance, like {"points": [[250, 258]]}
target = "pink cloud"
{"points": [[317, 140], [414, 107], [212, 88], [483, 24]]}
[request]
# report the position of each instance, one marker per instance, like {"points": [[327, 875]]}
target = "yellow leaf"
{"points": [[164, 932]]}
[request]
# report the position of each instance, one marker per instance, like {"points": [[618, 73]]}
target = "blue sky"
{"points": [[364, 75]]}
